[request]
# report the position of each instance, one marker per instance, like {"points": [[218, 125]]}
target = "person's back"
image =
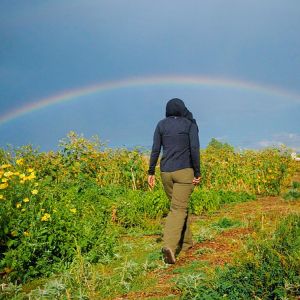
{"points": [[177, 134], [176, 145]]}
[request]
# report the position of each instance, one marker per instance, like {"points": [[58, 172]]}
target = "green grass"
{"points": [[269, 268], [189, 268], [205, 234], [225, 223], [126, 272], [204, 250]]}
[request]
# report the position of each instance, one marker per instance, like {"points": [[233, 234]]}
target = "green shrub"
{"points": [[137, 208], [43, 238], [205, 200], [264, 172]]}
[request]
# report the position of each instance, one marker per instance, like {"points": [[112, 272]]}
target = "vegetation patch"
{"points": [[225, 223], [205, 234], [294, 192], [207, 200], [71, 220], [204, 250], [268, 269], [189, 268]]}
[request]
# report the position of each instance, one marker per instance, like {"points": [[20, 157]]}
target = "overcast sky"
{"points": [[48, 47]]}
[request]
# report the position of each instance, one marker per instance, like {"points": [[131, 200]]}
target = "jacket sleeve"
{"points": [[155, 150], [195, 149]]}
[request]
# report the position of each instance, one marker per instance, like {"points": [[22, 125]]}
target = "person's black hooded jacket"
{"points": [[178, 135]]}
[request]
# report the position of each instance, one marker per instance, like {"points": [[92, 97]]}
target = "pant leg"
{"points": [[187, 237], [178, 215], [167, 182], [186, 240]]}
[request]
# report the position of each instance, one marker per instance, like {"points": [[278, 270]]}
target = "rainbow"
{"points": [[167, 80]]}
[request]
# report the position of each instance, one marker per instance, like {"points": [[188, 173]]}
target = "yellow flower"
{"points": [[17, 173], [5, 166], [30, 170], [3, 186], [73, 210], [8, 174], [1, 197], [31, 176], [18, 205], [20, 161], [22, 175], [14, 233], [22, 181], [34, 192], [45, 217], [4, 179], [26, 233], [23, 209], [26, 200]]}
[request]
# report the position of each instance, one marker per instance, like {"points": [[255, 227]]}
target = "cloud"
{"points": [[291, 140]]}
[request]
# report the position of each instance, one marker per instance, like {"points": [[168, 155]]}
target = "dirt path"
{"points": [[265, 212]]}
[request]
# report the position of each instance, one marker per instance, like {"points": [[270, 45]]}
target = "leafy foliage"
{"points": [[206, 200]]}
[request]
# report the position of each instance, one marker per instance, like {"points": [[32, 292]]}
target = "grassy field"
{"points": [[81, 223]]}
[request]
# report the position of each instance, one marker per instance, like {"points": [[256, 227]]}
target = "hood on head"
{"points": [[176, 107]]}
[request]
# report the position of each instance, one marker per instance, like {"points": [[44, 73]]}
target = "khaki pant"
{"points": [[178, 187]]}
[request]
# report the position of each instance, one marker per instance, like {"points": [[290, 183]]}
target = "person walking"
{"points": [[178, 135]]}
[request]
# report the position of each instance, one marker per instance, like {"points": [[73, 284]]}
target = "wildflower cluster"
{"points": [[45, 217], [17, 183]]}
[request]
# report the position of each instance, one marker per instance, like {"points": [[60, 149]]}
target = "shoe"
{"points": [[169, 257]]}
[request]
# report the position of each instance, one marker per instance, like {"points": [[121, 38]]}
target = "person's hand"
{"points": [[151, 181], [196, 180]]}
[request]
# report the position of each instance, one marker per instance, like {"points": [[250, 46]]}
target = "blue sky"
{"points": [[48, 47]]}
